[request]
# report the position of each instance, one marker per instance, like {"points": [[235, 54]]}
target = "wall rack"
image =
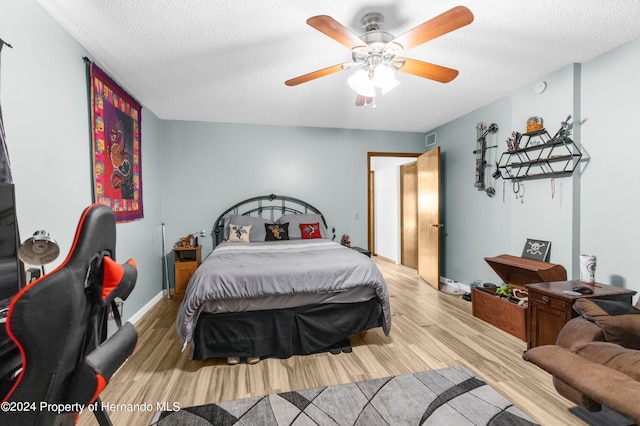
{"points": [[540, 156]]}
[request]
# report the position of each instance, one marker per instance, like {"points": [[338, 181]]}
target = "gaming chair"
{"points": [[59, 324]]}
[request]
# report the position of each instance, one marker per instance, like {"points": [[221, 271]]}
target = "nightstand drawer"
{"points": [[550, 301]]}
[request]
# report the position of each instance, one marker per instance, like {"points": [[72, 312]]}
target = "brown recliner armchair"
{"points": [[596, 358]]}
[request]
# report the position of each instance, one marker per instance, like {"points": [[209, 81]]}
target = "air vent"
{"points": [[430, 140]]}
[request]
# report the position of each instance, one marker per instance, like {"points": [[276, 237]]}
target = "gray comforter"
{"points": [[258, 269]]}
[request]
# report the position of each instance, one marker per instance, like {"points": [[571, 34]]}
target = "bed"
{"points": [[277, 285]]}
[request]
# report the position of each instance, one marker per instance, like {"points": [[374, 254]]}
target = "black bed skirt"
{"points": [[284, 332]]}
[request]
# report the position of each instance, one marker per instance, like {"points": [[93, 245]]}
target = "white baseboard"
{"points": [[455, 284], [138, 315]]}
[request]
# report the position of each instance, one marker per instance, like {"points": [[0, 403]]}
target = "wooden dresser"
{"points": [[550, 308]]}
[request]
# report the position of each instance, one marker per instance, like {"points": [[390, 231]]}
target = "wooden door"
{"points": [[429, 216], [409, 215], [371, 245]]}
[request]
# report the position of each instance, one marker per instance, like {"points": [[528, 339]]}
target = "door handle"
{"points": [[437, 225]]}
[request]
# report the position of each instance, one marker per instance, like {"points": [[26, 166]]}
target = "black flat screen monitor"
{"points": [[12, 276]]}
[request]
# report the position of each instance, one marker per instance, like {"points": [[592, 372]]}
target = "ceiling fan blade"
{"points": [[427, 70], [317, 74], [332, 28], [442, 24]]}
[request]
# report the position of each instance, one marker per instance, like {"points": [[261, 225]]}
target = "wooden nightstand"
{"points": [[187, 260], [550, 309]]}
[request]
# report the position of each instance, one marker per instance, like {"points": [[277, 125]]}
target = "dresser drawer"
{"points": [[550, 301]]}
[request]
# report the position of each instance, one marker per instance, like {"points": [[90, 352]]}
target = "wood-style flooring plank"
{"points": [[430, 330]]}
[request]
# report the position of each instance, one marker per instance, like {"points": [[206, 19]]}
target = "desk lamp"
{"points": [[40, 249]]}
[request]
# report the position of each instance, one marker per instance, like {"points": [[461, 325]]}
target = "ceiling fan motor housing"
{"points": [[377, 50], [372, 21]]}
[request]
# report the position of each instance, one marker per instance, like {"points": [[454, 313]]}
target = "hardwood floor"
{"points": [[430, 330]]}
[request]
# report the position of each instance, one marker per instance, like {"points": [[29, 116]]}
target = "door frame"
{"points": [[371, 191]]}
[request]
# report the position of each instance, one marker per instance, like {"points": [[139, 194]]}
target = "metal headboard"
{"points": [[265, 206]]}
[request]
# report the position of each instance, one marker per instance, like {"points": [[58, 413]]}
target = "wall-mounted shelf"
{"points": [[540, 156]]}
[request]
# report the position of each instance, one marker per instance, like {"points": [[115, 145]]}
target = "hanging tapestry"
{"points": [[116, 140], [5, 165]]}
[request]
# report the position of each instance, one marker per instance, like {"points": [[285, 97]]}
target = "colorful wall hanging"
{"points": [[116, 142]]}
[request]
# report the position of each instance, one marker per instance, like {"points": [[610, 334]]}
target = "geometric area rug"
{"points": [[449, 396]]}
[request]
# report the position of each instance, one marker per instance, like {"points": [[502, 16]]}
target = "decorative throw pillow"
{"points": [[294, 220], [276, 232], [257, 231], [620, 322], [310, 230], [239, 233]]}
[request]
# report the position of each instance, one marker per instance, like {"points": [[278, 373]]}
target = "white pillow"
{"points": [[258, 232], [239, 233]]}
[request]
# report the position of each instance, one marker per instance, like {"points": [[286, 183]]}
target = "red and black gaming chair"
{"points": [[59, 324]]}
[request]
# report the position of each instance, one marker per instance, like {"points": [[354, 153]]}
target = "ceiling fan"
{"points": [[376, 51]]}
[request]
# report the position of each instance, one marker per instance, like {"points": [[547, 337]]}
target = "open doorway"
{"points": [[384, 207], [427, 194]]}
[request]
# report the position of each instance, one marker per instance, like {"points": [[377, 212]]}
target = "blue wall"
{"points": [[592, 211], [44, 104], [211, 166], [191, 171]]}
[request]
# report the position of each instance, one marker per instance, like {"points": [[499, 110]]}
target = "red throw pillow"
{"points": [[310, 230]]}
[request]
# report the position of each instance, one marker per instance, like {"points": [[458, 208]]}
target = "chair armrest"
{"points": [[598, 382], [111, 354], [92, 376], [579, 331]]}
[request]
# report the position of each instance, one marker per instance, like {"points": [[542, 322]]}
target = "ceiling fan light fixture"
{"points": [[376, 47], [384, 78], [362, 84]]}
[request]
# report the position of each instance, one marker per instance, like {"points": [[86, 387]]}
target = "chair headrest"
{"points": [[94, 248], [95, 235], [118, 280]]}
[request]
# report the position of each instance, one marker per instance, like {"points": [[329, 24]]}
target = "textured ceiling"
{"points": [[227, 60]]}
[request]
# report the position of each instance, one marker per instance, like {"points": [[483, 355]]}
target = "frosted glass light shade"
{"points": [[362, 84], [384, 78]]}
